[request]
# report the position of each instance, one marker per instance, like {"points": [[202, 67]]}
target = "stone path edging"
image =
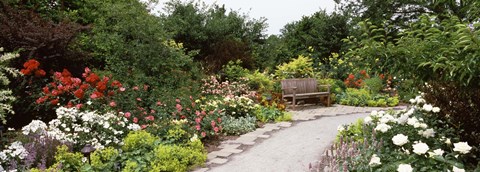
{"points": [[242, 143]]}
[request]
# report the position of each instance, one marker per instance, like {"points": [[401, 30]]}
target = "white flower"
{"points": [[402, 119], [387, 118], [382, 127], [374, 113], [427, 107], [420, 148], [455, 169], [410, 112], [412, 101], [194, 138], [34, 126], [436, 152], [400, 139], [435, 109], [404, 168], [422, 125], [375, 160], [412, 121], [367, 120], [448, 142], [134, 127], [89, 103], [340, 128], [462, 147], [428, 133]]}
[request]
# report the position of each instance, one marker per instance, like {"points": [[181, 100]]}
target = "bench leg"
{"points": [[328, 100], [294, 103]]}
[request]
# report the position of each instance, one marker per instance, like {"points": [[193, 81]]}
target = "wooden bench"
{"points": [[296, 89]]}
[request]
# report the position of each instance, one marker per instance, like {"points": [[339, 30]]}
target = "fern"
{"points": [[5, 94]]}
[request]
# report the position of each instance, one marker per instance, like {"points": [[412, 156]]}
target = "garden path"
{"points": [[293, 147]]}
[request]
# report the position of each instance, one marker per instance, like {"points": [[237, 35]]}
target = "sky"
{"points": [[277, 12]]}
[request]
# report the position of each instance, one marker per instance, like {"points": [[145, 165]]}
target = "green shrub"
{"points": [[137, 140], [301, 67], [69, 161], [233, 70], [287, 116], [261, 82], [238, 126], [104, 159], [176, 158], [6, 97], [267, 114], [362, 97], [374, 85]]}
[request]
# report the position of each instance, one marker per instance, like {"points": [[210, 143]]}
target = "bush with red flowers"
{"points": [[356, 81]]}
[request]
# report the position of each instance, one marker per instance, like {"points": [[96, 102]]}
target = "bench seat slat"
{"points": [[307, 94]]}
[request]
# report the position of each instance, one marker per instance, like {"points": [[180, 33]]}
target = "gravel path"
{"points": [[291, 149]]}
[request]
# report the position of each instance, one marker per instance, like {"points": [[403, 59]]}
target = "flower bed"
{"points": [[408, 140]]}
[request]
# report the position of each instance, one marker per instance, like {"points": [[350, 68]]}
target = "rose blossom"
{"points": [[462, 147], [404, 168], [420, 148], [400, 139]]}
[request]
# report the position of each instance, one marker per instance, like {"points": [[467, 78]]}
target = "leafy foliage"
{"points": [[301, 67], [238, 126], [218, 36], [6, 97]]}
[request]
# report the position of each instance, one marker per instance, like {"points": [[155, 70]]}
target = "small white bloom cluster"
{"points": [[375, 160], [14, 151], [83, 128]]}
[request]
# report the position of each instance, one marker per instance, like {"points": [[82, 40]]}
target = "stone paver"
{"points": [[230, 148]]}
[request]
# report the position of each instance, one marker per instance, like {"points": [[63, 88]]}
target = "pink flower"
{"points": [[219, 120], [159, 103], [127, 115], [215, 129], [144, 126], [135, 88], [179, 107], [135, 120], [204, 134], [197, 120], [122, 89], [198, 127], [113, 104], [152, 111], [177, 100], [79, 106], [213, 123], [197, 113], [150, 118], [139, 99]]}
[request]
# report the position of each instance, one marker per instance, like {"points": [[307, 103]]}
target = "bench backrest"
{"points": [[307, 85]]}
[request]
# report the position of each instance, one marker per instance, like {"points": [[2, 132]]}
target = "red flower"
{"points": [[84, 86], [40, 73], [116, 84], [26, 71], [363, 72], [135, 120], [79, 93], [382, 76], [219, 120], [69, 104], [111, 93], [54, 102], [96, 94], [351, 76], [41, 100], [45, 90], [92, 79], [55, 92], [101, 86], [66, 73]]}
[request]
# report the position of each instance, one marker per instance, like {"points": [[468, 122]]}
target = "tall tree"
{"points": [[318, 35], [217, 35]]}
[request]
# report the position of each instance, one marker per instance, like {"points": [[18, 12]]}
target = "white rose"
{"points": [[448, 142], [428, 133], [375, 160], [382, 127], [404, 168], [435, 109], [412, 121], [402, 119], [400, 139], [367, 120], [412, 101], [427, 107], [462, 147], [455, 169], [436, 152], [420, 148]]}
